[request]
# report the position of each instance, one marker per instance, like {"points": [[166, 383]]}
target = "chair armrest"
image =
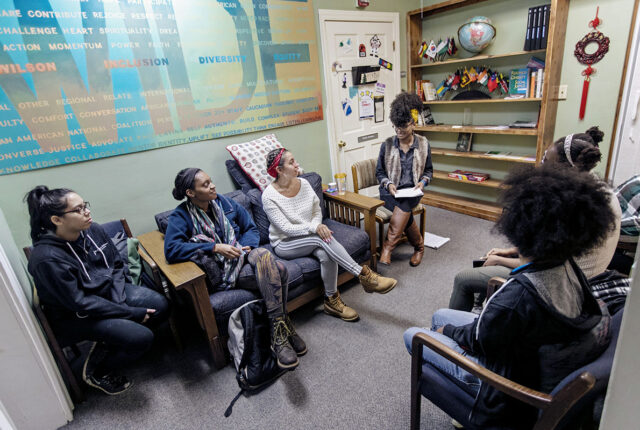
{"points": [[359, 202], [178, 274], [532, 397], [494, 284]]}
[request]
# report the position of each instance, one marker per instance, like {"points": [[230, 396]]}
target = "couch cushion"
{"points": [[242, 199], [162, 220], [251, 157], [239, 177], [316, 183], [354, 240], [259, 216]]}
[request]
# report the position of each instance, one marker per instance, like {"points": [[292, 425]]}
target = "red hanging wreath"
{"points": [[589, 59]]}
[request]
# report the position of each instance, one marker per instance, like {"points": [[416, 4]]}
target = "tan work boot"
{"points": [[415, 239], [333, 305], [374, 283], [398, 222]]}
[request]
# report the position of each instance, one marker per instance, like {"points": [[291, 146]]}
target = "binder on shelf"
{"points": [[535, 44], [546, 10], [527, 37]]}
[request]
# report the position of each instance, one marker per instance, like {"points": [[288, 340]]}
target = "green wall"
{"points": [[137, 186]]}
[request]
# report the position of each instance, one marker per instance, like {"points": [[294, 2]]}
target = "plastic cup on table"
{"points": [[341, 181]]}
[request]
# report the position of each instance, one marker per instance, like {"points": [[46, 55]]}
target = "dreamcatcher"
{"points": [[588, 59]]}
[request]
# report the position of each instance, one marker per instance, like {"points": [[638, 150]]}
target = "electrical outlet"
{"points": [[562, 92]]}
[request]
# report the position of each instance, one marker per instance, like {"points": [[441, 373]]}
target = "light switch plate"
{"points": [[562, 92]]}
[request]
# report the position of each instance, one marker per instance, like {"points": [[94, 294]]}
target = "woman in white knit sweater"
{"points": [[296, 230]]}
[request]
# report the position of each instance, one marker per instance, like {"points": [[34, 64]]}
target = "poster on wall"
{"points": [[87, 79]]}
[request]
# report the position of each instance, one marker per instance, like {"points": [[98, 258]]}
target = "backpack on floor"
{"points": [[250, 347]]}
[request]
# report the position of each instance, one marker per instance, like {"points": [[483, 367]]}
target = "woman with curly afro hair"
{"points": [[577, 151], [544, 322], [404, 162]]}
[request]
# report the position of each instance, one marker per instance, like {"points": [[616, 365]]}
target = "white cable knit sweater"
{"points": [[294, 216]]}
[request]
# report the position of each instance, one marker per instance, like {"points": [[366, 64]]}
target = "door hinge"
{"points": [[394, 45]]}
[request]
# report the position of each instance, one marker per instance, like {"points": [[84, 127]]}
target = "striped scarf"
{"points": [[204, 230]]}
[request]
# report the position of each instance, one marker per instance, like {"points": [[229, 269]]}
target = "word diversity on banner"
{"points": [[86, 79]]}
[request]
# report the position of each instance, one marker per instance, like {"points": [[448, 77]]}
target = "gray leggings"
{"points": [[331, 255], [471, 281]]}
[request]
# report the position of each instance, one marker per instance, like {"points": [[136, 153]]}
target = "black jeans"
{"points": [[120, 341]]}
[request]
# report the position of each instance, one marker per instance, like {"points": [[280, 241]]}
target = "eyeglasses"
{"points": [[80, 210], [404, 128]]}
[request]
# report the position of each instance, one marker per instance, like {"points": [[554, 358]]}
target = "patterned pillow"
{"points": [[251, 158]]}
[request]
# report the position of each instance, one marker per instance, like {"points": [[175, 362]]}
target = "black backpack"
{"points": [[250, 347]]}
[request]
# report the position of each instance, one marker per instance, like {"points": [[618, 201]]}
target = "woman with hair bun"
{"points": [[209, 226], [82, 287], [404, 162], [579, 152]]}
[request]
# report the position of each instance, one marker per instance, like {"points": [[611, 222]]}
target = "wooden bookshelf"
{"points": [[476, 154], [476, 58], [478, 208], [449, 128], [466, 102], [491, 183], [420, 22]]}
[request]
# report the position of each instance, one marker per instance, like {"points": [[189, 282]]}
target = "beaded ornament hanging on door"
{"points": [[588, 59]]}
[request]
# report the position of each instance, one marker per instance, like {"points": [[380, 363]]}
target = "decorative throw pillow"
{"points": [[251, 157]]}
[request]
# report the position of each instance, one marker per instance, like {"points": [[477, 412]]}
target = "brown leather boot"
{"points": [[415, 239], [397, 224]]}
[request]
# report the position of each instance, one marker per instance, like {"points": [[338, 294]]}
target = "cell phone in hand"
{"points": [[478, 263]]}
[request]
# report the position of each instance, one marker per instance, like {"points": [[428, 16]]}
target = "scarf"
{"points": [[204, 230]]}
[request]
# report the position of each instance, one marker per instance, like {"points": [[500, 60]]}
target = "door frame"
{"points": [[622, 108], [325, 15]]}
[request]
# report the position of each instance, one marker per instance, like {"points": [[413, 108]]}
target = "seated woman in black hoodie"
{"points": [[544, 322], [82, 287]]}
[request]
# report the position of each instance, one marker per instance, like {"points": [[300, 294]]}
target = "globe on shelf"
{"points": [[476, 34]]}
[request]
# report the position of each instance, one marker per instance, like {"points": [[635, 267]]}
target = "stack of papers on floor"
{"points": [[434, 241]]}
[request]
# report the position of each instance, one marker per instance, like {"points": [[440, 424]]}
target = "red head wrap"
{"points": [[271, 170]]}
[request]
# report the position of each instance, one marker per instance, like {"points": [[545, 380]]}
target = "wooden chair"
{"points": [[564, 405], [364, 176], [62, 357]]}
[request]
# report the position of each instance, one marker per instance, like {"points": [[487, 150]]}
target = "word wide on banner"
{"points": [[87, 79]]}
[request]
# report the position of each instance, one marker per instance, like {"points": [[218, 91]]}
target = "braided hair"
{"points": [[584, 151]]}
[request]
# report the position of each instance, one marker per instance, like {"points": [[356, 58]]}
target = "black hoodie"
{"points": [[84, 278], [540, 326]]}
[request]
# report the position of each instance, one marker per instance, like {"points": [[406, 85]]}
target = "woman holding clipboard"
{"points": [[404, 169]]}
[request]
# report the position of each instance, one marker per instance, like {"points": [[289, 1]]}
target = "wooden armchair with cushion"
{"points": [[569, 404], [364, 176]]}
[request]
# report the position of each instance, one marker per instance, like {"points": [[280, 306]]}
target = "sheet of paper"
{"points": [[434, 241], [405, 193]]}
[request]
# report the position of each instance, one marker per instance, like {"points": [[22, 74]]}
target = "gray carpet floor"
{"points": [[355, 375]]}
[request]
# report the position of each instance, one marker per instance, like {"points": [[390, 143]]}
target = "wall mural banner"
{"points": [[86, 79]]}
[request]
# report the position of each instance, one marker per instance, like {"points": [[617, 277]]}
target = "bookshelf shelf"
{"points": [[491, 183], [448, 128], [482, 155], [478, 208], [451, 102], [477, 58], [444, 18]]}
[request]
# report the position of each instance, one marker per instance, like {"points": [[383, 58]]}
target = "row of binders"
{"points": [[537, 28]]}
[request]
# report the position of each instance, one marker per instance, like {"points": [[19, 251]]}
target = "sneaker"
{"points": [[285, 355], [374, 283], [295, 340], [334, 306], [109, 383]]}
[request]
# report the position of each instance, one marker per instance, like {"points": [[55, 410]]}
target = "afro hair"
{"points": [[402, 106], [552, 214]]}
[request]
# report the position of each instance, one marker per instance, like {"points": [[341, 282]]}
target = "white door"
{"points": [[358, 115], [626, 151]]}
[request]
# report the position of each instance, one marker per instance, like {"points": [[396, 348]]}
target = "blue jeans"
{"points": [[466, 380], [120, 341]]}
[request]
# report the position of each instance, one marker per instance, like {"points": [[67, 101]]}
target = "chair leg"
{"points": [[423, 221], [174, 331], [416, 373], [380, 235]]}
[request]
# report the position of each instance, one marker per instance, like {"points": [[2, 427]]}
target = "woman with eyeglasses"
{"points": [[404, 162], [83, 290]]}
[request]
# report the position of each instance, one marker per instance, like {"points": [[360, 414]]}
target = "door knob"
{"points": [[342, 144]]}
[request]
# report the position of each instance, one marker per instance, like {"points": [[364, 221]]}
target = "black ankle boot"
{"points": [[286, 356], [295, 340]]}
